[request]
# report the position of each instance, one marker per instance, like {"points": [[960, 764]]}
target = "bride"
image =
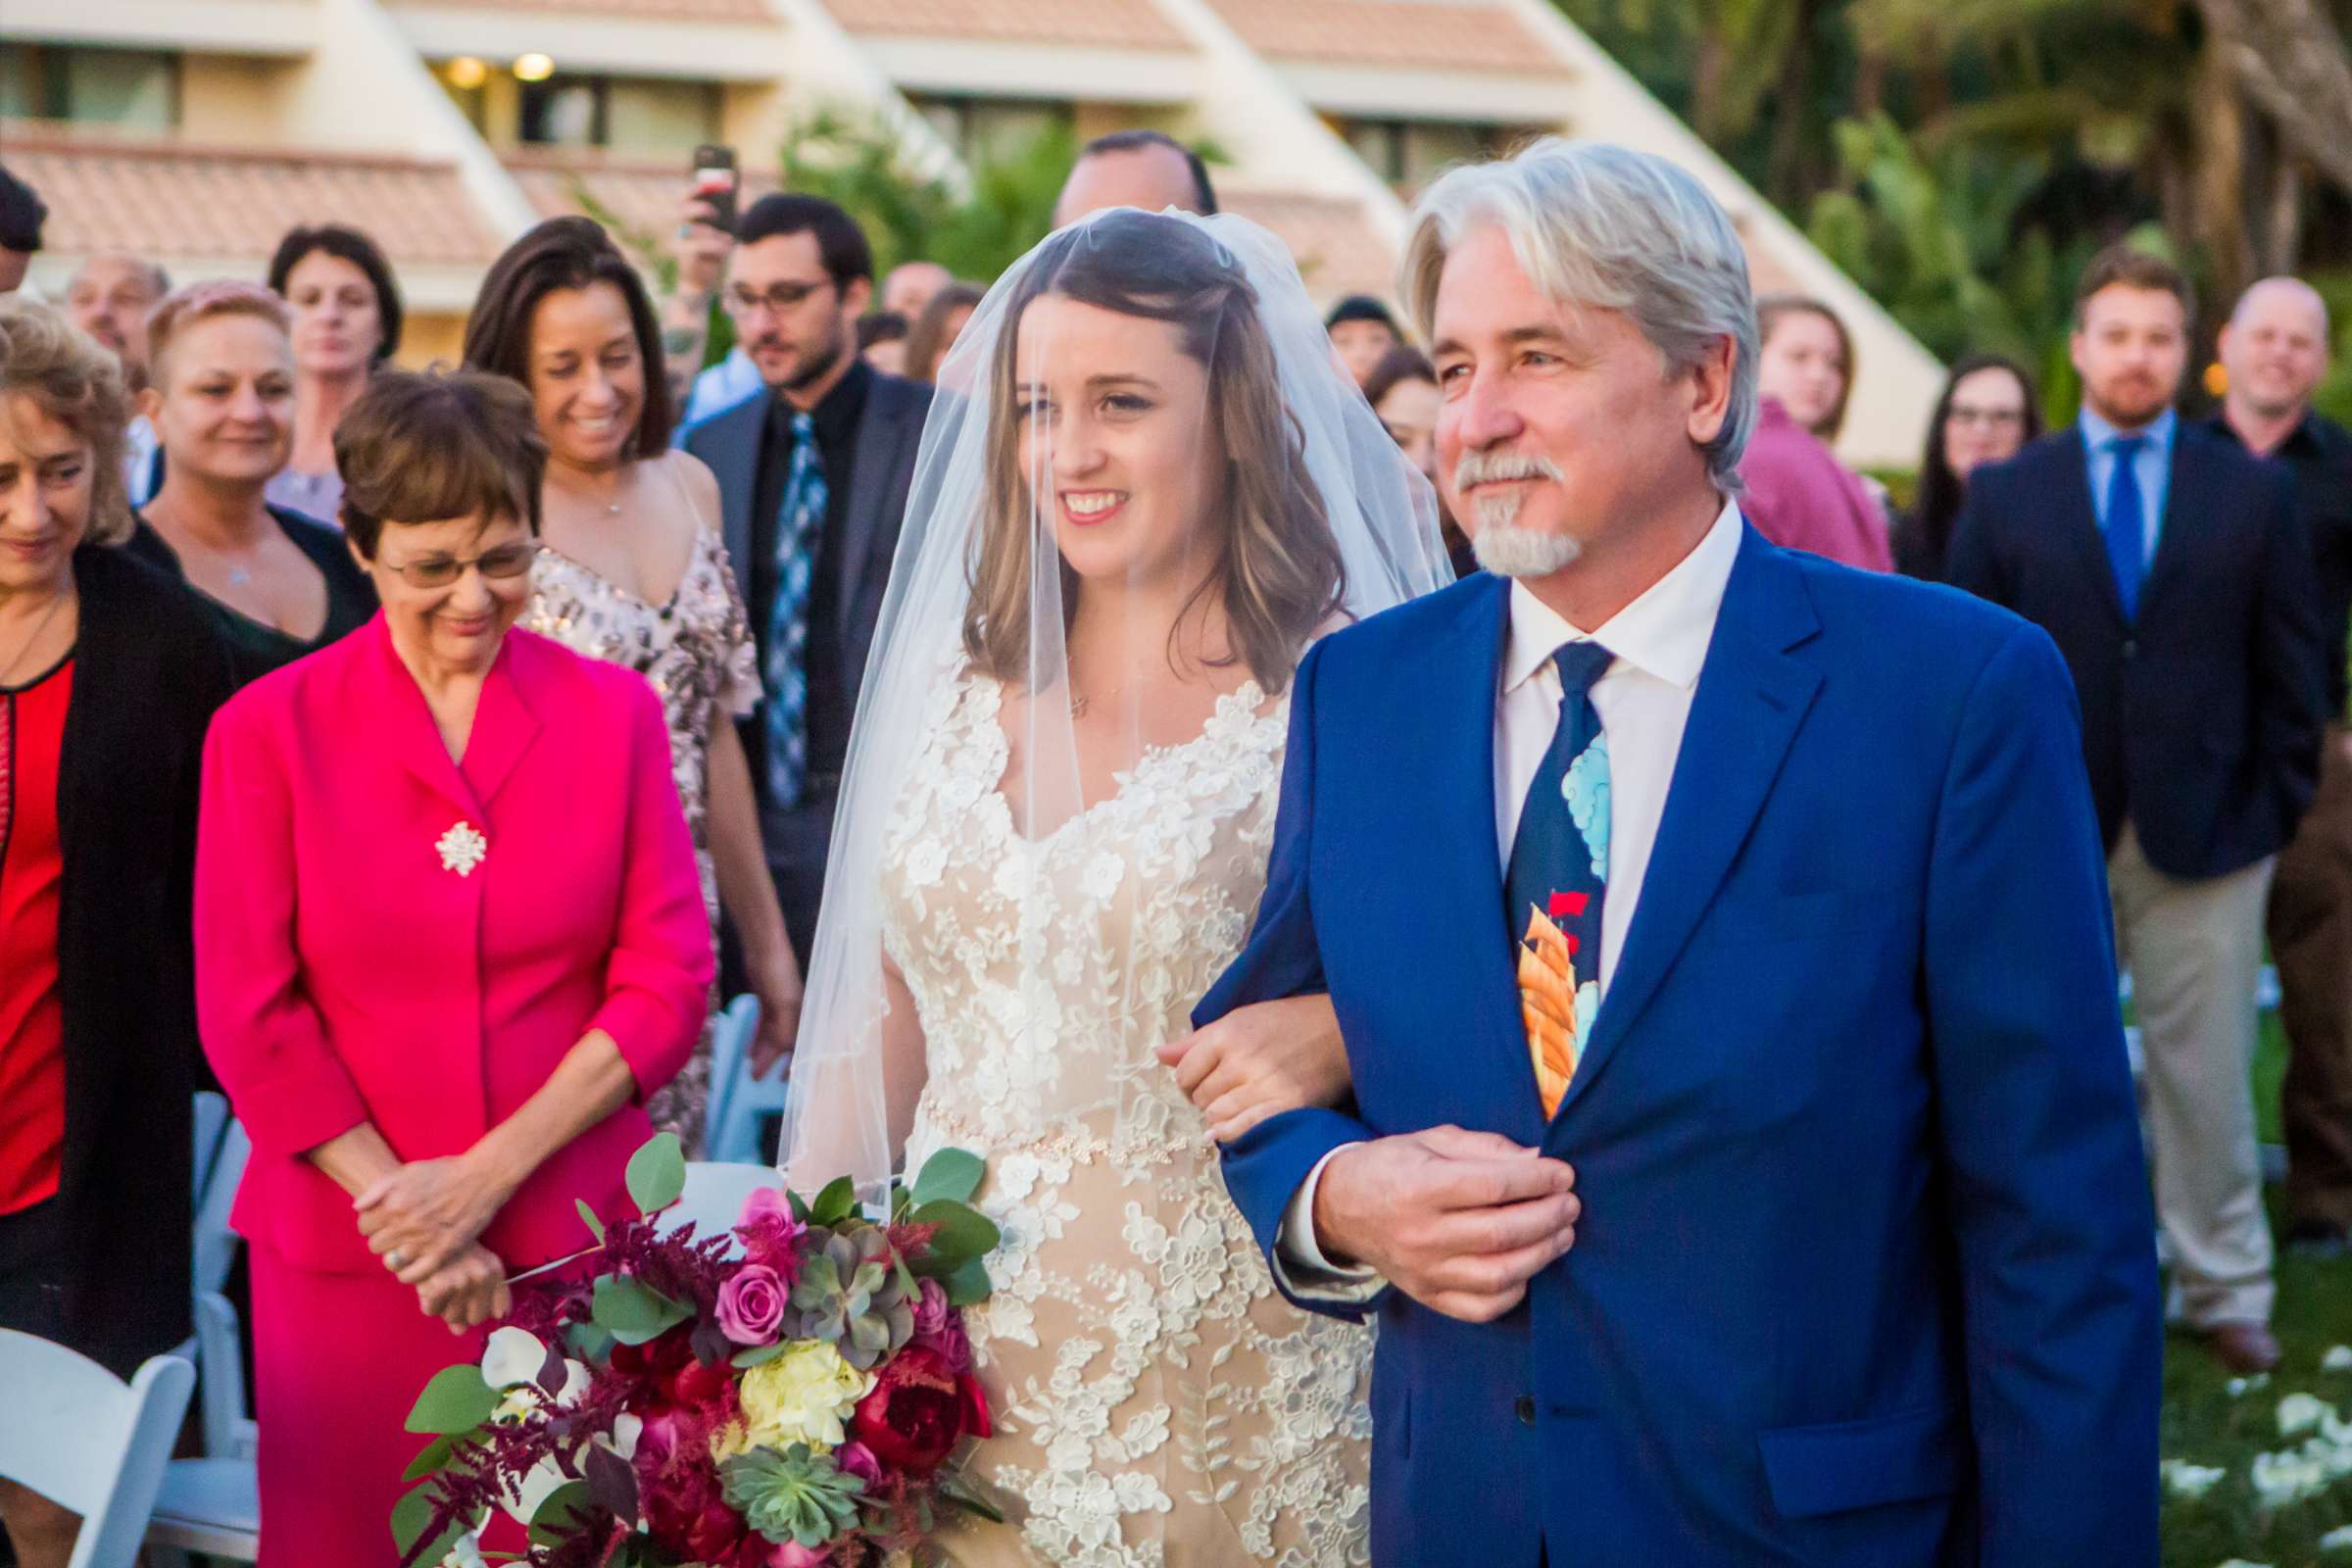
{"points": [[1145, 489]]}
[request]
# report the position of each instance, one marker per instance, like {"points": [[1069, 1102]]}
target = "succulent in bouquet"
{"points": [[787, 1395]]}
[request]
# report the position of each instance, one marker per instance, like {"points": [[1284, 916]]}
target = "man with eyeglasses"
{"points": [[2274, 351], [812, 475]]}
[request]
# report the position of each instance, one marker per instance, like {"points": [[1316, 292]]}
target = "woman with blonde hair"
{"points": [[1151, 490], [109, 674], [221, 395]]}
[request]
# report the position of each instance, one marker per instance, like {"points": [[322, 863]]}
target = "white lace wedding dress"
{"points": [[1157, 1402]]}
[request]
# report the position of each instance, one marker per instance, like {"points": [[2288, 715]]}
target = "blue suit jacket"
{"points": [[1865, 1273]]}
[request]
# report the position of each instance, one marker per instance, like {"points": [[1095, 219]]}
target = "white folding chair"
{"points": [[212, 1120], [215, 1244], [731, 1127], [210, 1507], [87, 1441], [713, 1198]]}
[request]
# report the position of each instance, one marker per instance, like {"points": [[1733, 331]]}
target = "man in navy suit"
{"points": [[1732, 915], [2168, 565], [814, 471]]}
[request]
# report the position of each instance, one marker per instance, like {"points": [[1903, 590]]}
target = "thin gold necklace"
{"points": [[9, 670]]}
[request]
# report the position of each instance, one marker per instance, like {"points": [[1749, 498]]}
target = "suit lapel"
{"points": [[2176, 537], [504, 725], [1466, 679], [1751, 698], [390, 692], [880, 435], [734, 456]]}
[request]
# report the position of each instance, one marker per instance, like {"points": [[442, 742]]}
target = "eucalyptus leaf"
{"points": [[410, 1515], [835, 1203], [457, 1400], [963, 1230], [633, 1312], [435, 1457], [757, 1355], [656, 1173], [952, 1487], [596, 1227], [969, 1285], [800, 1205], [564, 1508], [951, 1173]]}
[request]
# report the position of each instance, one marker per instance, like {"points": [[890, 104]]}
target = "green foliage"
{"points": [[912, 213], [656, 1173], [633, 1312], [850, 1296], [796, 1495], [564, 1509], [951, 1173], [411, 1516], [456, 1400]]}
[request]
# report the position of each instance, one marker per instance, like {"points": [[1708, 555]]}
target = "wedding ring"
{"points": [[396, 1259]]}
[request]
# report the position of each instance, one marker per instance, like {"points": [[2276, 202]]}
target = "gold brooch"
{"points": [[462, 848]]}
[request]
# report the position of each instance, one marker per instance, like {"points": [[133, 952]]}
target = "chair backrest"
{"points": [[221, 1379], [211, 1119], [730, 1046], [730, 1134], [82, 1437], [215, 1244], [713, 1197]]}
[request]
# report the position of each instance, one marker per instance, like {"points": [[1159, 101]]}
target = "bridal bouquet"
{"points": [[785, 1396]]}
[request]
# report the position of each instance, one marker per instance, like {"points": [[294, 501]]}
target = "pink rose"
{"points": [[750, 1306], [791, 1554], [770, 1232], [931, 1309], [857, 1460]]}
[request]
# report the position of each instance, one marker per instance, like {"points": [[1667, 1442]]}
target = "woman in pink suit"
{"points": [[447, 937]]}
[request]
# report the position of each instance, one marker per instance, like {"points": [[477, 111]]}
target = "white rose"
{"points": [[514, 1356]]}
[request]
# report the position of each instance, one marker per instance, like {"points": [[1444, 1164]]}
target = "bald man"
{"points": [[1146, 169], [110, 297], [908, 286], [2274, 350]]}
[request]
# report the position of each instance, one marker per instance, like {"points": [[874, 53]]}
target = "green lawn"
{"points": [[2205, 1425]]}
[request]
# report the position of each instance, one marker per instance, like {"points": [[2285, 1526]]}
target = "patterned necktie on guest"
{"points": [[2127, 522], [786, 671], [1559, 872]]}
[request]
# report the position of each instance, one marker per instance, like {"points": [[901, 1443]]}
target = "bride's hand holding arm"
{"points": [[1260, 1061], [749, 893]]}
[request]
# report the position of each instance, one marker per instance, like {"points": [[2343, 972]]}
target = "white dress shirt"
{"points": [[1644, 701]]}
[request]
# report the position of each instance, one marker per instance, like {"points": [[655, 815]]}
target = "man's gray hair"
{"points": [[1611, 228]]}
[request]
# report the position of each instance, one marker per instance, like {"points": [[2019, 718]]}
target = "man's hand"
{"points": [[1259, 1060], [423, 1217], [702, 247], [779, 1018], [470, 1291], [1459, 1221]]}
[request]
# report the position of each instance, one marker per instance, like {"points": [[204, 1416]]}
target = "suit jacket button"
{"points": [[1526, 1408]]}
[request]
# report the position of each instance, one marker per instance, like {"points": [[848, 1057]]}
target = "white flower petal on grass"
{"points": [[2239, 1387], [514, 1356], [2301, 1412], [2186, 1480], [2338, 1359], [2241, 1562], [2337, 1539]]}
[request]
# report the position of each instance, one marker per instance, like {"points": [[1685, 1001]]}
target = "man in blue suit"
{"points": [[1752, 941], [2169, 565]]}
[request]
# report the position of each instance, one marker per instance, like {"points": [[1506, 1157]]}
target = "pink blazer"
{"points": [[354, 963]]}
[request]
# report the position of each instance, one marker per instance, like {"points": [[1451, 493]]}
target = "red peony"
{"points": [[919, 1409]]}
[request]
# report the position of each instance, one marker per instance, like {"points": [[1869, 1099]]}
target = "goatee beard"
{"points": [[1507, 550]]}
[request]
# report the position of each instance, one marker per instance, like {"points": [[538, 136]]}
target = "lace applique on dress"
{"points": [[1157, 1401]]}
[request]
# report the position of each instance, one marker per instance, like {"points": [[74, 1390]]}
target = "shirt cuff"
{"points": [[1303, 1269]]}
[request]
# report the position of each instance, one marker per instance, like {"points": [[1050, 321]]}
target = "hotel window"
{"points": [[985, 129], [626, 114], [1409, 152], [132, 89]]}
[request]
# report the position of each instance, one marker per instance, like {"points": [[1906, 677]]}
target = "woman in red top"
{"points": [[451, 935], [108, 676]]}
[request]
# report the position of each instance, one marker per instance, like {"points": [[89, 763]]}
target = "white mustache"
{"points": [[1483, 467]]}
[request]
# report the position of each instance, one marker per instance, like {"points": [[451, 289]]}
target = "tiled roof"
{"points": [[162, 198], [1338, 250], [640, 9], [1098, 24], [638, 197], [1423, 34]]}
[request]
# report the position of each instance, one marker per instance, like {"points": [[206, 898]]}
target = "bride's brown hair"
{"points": [[1277, 565]]}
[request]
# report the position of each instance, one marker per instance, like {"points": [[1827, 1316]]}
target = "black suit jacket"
{"points": [[150, 666], [2201, 720]]}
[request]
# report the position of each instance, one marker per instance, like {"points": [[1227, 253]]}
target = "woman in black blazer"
{"points": [[109, 674]]}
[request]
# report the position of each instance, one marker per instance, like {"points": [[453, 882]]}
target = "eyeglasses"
{"points": [[1990, 418], [439, 571], [776, 300]]}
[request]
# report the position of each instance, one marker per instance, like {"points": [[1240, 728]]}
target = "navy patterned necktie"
{"points": [[786, 671], [1558, 876]]}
